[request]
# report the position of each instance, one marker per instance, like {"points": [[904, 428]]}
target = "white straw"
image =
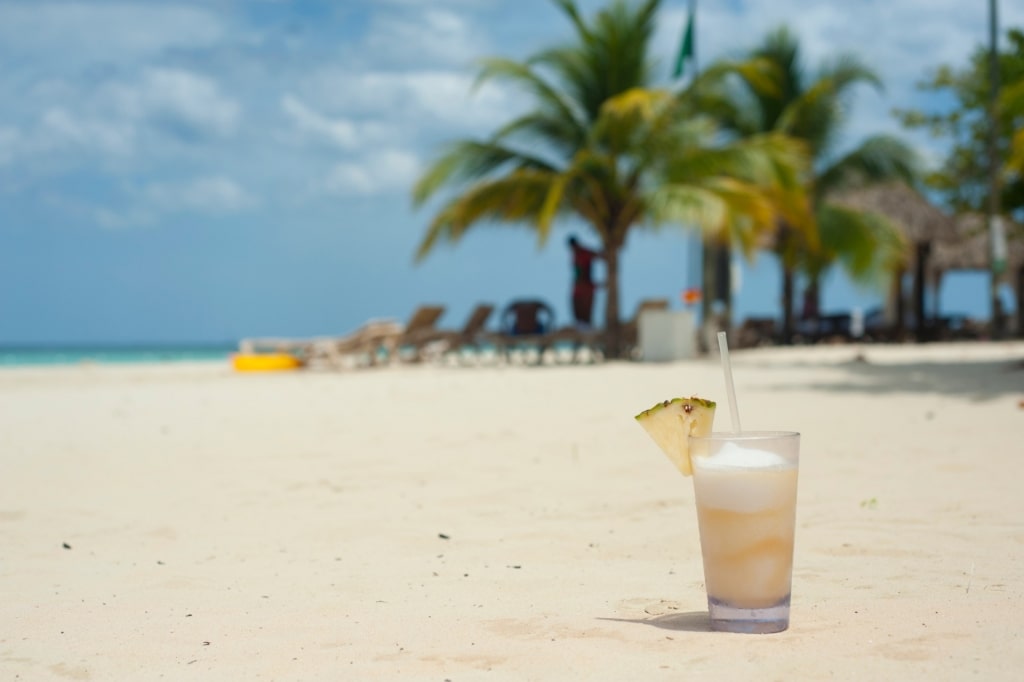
{"points": [[734, 411]]}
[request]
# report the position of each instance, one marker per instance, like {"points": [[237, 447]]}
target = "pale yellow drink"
{"points": [[746, 530], [746, 508]]}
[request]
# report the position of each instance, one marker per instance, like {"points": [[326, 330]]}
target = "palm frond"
{"points": [[549, 100], [553, 204], [1015, 159], [469, 159], [610, 57], [623, 31], [782, 48], [1011, 100], [813, 116], [628, 117], [571, 11], [877, 159], [751, 211], [847, 70], [761, 76], [728, 92], [690, 205], [543, 130], [735, 110], [724, 209], [518, 197], [575, 77], [864, 243], [769, 160]]}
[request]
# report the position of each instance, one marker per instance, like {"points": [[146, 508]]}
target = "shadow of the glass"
{"points": [[689, 621]]}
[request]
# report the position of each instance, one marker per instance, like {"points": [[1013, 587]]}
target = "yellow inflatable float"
{"points": [[264, 362]]}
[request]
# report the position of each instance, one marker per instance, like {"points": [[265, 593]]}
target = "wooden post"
{"points": [[921, 330], [900, 305], [1020, 302], [992, 206]]}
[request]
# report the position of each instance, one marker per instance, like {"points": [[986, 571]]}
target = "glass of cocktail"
{"points": [[745, 489]]}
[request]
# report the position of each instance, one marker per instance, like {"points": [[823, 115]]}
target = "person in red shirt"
{"points": [[583, 285]]}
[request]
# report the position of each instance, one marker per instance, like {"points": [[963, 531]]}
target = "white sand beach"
{"points": [[182, 522]]}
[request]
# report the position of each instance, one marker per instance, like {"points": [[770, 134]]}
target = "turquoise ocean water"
{"points": [[58, 355]]}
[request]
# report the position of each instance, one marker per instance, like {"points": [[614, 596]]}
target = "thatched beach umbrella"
{"points": [[970, 249], [922, 224], [918, 219]]}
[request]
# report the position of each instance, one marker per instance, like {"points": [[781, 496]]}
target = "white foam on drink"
{"points": [[744, 480], [733, 456]]}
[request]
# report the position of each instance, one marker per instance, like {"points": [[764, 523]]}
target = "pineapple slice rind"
{"points": [[671, 423]]}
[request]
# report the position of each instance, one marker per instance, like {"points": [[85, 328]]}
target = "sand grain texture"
{"points": [[289, 527]]}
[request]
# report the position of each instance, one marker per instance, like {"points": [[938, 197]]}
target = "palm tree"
{"points": [[603, 145], [811, 110]]}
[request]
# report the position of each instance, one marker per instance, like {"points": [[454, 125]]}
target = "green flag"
{"points": [[686, 47]]}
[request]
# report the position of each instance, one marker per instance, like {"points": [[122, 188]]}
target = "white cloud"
{"points": [[379, 172], [447, 96], [431, 36], [206, 194], [415, 101], [340, 132], [454, 4], [134, 91], [178, 97], [59, 128], [112, 219], [903, 41], [110, 120], [102, 31], [213, 194]]}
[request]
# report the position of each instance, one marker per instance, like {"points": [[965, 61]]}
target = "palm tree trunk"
{"points": [[782, 248], [898, 305], [716, 264], [723, 268], [815, 293], [921, 327], [613, 326], [707, 285], [788, 289], [1020, 302]]}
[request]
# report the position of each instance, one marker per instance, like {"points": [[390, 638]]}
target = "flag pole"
{"points": [[996, 236], [703, 258], [694, 242]]}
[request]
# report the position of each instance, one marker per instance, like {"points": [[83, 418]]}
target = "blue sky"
{"points": [[202, 171]]}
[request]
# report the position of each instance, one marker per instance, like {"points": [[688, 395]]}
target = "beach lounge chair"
{"points": [[472, 335], [364, 344], [418, 333], [377, 338], [525, 324]]}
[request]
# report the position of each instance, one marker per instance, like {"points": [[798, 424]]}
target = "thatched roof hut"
{"points": [[937, 243], [918, 219], [970, 248], [922, 224]]}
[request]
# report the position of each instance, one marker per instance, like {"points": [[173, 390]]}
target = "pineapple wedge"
{"points": [[670, 424]]}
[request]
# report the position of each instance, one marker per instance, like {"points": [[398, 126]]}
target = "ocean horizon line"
{"points": [[22, 354], [119, 345]]}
